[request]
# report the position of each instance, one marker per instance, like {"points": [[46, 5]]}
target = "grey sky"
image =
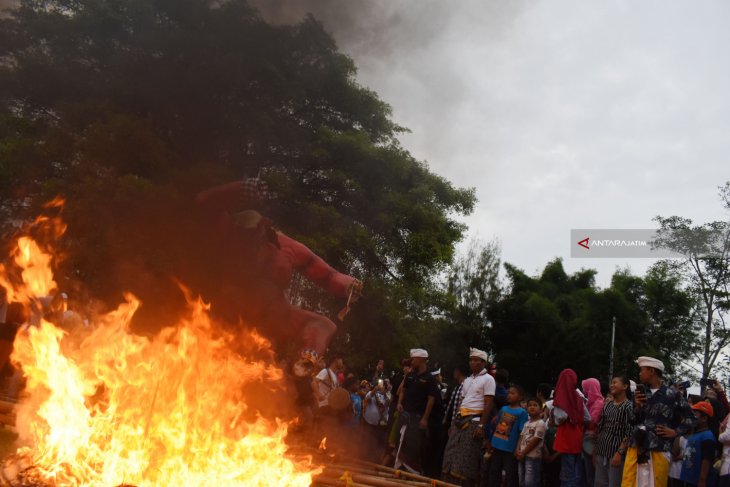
{"points": [[562, 114]]}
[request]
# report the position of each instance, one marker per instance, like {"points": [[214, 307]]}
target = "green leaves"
{"points": [[554, 321], [130, 107]]}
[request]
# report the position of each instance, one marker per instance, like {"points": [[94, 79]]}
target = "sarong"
{"points": [[655, 473], [463, 452]]}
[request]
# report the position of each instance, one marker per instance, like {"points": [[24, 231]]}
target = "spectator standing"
{"points": [[530, 446], [699, 454], [594, 404], [379, 374], [551, 458], [724, 439], [675, 466], [501, 378], [569, 415], [453, 397], [543, 393], [327, 380], [393, 414], [375, 415], [510, 421], [416, 401], [613, 434], [659, 416], [466, 434], [352, 386]]}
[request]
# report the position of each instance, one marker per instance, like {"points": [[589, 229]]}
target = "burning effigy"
{"points": [[199, 403], [102, 406]]}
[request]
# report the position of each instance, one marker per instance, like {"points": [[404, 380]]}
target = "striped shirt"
{"points": [[454, 404], [613, 427]]}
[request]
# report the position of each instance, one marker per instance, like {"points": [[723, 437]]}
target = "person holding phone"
{"points": [[660, 414]]}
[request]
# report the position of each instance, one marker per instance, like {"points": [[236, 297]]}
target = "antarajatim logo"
{"points": [[584, 243]]}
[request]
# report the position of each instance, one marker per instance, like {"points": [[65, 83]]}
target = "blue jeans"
{"points": [[571, 470], [590, 472], [530, 472]]}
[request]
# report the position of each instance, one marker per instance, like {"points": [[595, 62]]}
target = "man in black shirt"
{"points": [[415, 403]]}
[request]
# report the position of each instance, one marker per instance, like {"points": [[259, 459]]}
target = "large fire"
{"points": [[107, 407]]}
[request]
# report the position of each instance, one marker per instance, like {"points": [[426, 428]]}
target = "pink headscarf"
{"points": [[592, 390]]}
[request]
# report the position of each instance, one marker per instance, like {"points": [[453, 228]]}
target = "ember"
{"points": [[111, 408]]}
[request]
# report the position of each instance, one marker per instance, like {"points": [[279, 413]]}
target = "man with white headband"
{"points": [[415, 404], [464, 448]]}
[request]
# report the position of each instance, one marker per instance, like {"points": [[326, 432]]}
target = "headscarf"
{"points": [[592, 390], [567, 398]]}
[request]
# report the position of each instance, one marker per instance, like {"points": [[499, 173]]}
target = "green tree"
{"points": [[129, 107], [545, 324], [706, 270], [461, 314]]}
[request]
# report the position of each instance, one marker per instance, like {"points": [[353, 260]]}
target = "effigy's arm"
{"points": [[316, 269]]}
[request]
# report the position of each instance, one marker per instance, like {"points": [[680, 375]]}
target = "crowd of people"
{"points": [[483, 430]]}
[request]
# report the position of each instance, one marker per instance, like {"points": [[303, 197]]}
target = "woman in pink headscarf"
{"points": [[592, 390]]}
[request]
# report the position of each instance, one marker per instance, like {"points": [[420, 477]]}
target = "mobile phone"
{"points": [[685, 385], [641, 389]]}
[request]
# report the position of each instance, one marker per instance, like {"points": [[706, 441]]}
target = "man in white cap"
{"points": [[415, 404], [464, 447], [660, 415]]}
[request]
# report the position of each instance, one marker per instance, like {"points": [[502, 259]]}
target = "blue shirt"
{"points": [[700, 446], [356, 408], [510, 422]]}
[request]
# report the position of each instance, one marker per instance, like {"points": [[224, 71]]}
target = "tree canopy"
{"points": [[546, 323], [127, 108]]}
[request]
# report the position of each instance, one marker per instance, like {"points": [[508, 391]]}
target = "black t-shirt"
{"points": [[417, 388]]}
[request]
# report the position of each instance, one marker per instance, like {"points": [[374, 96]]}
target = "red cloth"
{"points": [[569, 438], [567, 398]]}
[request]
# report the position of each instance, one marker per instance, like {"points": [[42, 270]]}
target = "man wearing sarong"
{"points": [[659, 415], [415, 403], [466, 435]]}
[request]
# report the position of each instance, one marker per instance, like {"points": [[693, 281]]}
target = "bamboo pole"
{"points": [[404, 473], [367, 477], [368, 480]]}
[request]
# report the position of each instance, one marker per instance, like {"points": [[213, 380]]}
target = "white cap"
{"points": [[650, 362], [475, 352], [436, 372], [418, 352]]}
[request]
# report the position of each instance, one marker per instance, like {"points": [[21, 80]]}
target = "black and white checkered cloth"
{"points": [[254, 190]]}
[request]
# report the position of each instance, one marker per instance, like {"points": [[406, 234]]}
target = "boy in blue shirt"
{"points": [[510, 421], [700, 450]]}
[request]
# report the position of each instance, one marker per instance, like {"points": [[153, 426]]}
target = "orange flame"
{"points": [[323, 444], [116, 408]]}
